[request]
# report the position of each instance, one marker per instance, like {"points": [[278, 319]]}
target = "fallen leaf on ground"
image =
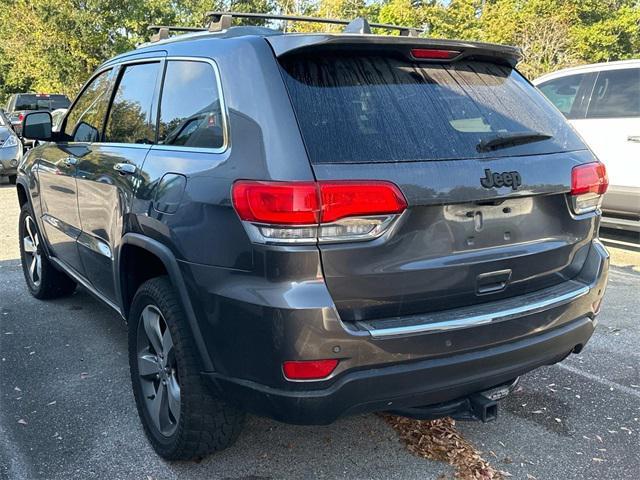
{"points": [[439, 440]]}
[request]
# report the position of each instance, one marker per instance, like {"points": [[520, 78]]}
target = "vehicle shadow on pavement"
{"points": [[68, 411]]}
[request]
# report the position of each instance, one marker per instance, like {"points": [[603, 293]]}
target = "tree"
{"points": [[54, 45]]}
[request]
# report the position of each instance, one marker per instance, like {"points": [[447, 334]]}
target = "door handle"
{"points": [[70, 161], [633, 138], [125, 168]]}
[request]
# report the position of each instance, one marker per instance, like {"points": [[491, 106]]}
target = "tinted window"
{"points": [[40, 102], [84, 122], [190, 112], [131, 119], [563, 93], [59, 101], [383, 109], [616, 94]]}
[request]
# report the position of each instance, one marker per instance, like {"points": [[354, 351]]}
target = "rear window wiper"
{"points": [[504, 140]]}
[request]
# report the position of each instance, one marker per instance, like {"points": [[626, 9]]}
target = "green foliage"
{"points": [[54, 45]]}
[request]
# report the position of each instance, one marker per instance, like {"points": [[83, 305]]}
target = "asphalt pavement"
{"points": [[67, 411]]}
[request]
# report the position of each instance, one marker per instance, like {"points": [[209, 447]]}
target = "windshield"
{"points": [[386, 109]]}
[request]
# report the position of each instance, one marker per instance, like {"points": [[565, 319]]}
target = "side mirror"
{"points": [[37, 126]]}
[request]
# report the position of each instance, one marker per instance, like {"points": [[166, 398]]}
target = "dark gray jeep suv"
{"points": [[307, 226]]}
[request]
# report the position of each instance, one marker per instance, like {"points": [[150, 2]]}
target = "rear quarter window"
{"points": [[360, 109]]}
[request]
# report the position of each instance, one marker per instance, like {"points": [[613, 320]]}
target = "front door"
{"points": [[107, 176], [58, 164]]}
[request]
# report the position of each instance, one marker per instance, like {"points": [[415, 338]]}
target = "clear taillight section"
{"points": [[588, 183], [309, 212]]}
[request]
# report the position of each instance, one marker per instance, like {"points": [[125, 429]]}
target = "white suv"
{"points": [[602, 102]]}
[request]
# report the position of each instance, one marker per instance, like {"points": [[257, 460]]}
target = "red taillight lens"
{"points": [[281, 203], [589, 178], [434, 54], [349, 199], [306, 203], [20, 116], [309, 369]]}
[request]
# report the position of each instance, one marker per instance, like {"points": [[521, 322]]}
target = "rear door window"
{"points": [[132, 114], [85, 120], [616, 94], [569, 94], [190, 108], [368, 108]]}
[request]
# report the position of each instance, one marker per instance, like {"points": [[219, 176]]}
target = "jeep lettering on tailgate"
{"points": [[504, 179]]}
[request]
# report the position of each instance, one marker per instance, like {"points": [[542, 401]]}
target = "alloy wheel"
{"points": [[157, 371], [32, 251]]}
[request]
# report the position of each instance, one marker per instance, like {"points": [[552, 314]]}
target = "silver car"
{"points": [[10, 150]]}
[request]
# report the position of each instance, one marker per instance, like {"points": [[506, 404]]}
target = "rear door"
{"points": [[482, 223], [107, 174]]}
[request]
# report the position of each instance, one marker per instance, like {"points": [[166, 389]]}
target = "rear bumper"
{"points": [[250, 329], [412, 384]]}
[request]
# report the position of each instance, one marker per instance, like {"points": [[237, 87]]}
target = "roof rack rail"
{"points": [[222, 20]]}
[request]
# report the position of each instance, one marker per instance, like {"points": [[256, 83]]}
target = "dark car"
{"points": [[20, 103], [10, 150], [308, 226]]}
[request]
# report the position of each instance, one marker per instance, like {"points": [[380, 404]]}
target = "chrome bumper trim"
{"points": [[476, 315]]}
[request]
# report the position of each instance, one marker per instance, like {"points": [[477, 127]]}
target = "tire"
{"points": [[44, 281], [198, 423], [13, 179]]}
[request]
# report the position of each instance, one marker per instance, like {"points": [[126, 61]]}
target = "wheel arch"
{"points": [[21, 190], [170, 267]]}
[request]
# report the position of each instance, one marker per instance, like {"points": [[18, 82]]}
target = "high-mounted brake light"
{"points": [[588, 183], [309, 369], [434, 54], [325, 211]]}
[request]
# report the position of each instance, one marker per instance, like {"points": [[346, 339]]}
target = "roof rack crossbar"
{"points": [[217, 18]]}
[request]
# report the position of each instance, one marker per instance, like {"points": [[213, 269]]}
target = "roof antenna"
{"points": [[359, 25], [162, 34], [220, 22]]}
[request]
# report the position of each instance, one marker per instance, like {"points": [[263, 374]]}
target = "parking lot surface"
{"points": [[67, 411]]}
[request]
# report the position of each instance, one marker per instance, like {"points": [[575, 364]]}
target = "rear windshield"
{"points": [[41, 102], [359, 109]]}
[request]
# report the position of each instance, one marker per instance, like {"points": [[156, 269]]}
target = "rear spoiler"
{"points": [[294, 43]]}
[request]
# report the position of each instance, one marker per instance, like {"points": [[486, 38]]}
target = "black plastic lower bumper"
{"points": [[410, 384]]}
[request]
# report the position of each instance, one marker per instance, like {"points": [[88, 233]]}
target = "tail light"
{"points": [[588, 183], [20, 116], [309, 369], [309, 212]]}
